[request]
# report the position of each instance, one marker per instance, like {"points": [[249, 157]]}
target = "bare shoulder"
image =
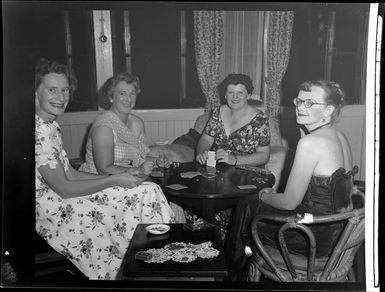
{"points": [[137, 124], [102, 132], [254, 111], [311, 143], [135, 120], [224, 109]]}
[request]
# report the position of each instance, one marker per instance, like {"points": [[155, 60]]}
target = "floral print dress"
{"points": [[244, 140], [92, 231]]}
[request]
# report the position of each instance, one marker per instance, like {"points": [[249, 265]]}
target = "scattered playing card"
{"points": [[161, 143], [177, 187], [189, 174], [244, 187]]}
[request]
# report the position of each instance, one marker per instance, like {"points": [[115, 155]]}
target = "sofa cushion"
{"points": [[201, 122], [173, 152]]}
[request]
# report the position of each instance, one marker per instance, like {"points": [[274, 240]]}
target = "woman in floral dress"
{"points": [[88, 218], [237, 131]]}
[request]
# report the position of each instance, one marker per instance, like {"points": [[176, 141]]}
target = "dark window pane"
{"points": [[155, 57], [347, 27], [118, 43], [29, 34], [85, 97], [344, 72]]}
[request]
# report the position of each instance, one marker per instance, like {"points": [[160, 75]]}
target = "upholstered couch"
{"points": [[178, 151]]}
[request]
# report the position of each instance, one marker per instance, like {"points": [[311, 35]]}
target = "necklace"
{"points": [[311, 131]]}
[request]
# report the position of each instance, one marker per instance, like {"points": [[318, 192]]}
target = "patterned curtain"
{"points": [[280, 25], [208, 35]]}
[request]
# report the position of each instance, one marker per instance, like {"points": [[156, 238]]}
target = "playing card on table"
{"points": [[244, 187], [190, 174], [177, 187]]}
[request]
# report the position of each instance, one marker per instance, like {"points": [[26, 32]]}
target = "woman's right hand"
{"points": [[133, 171], [146, 168], [202, 157], [127, 180]]}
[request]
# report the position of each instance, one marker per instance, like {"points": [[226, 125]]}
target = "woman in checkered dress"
{"points": [[116, 142]]}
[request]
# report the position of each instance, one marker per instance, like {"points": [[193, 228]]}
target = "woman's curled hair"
{"points": [[234, 79], [107, 90], [335, 95], [45, 66]]}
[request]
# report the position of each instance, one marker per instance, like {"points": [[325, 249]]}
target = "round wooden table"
{"points": [[205, 195]]}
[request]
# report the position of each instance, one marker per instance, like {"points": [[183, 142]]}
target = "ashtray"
{"points": [[157, 229], [209, 175], [201, 232]]}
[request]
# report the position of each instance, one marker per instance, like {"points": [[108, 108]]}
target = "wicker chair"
{"points": [[282, 266]]}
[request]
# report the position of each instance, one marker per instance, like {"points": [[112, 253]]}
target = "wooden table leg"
{"points": [[208, 213]]}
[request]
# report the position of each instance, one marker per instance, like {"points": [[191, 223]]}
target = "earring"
{"points": [[111, 100]]}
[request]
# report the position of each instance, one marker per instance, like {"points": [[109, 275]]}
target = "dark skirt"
{"points": [[240, 235]]}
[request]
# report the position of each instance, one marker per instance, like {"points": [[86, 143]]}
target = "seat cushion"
{"points": [[300, 262]]}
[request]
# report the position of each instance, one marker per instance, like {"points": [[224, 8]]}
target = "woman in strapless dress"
{"points": [[320, 180]]}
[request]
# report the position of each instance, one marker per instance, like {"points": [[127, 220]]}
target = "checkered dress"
{"points": [[128, 149]]}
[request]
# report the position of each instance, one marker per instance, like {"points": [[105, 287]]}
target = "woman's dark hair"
{"points": [[334, 96], [107, 90], [45, 66], [234, 79]]}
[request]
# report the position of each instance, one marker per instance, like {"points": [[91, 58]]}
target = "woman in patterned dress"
{"points": [[116, 142], [237, 131], [89, 218]]}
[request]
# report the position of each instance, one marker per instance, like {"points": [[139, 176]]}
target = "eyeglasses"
{"points": [[307, 102]]}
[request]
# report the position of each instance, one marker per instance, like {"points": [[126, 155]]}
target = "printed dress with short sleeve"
{"points": [[129, 151], [92, 231], [244, 140]]}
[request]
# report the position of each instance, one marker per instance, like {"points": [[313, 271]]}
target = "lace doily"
{"points": [[182, 252]]}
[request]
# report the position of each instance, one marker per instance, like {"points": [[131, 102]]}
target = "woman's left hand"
{"points": [[225, 156], [265, 191]]}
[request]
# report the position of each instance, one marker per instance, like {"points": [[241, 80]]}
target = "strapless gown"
{"points": [[325, 195]]}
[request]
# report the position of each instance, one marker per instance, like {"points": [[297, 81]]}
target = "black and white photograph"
{"points": [[194, 145]]}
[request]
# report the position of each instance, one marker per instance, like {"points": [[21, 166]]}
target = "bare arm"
{"points": [[305, 161], [103, 151], [137, 126], [261, 156], [204, 145], [74, 174], [72, 184]]}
